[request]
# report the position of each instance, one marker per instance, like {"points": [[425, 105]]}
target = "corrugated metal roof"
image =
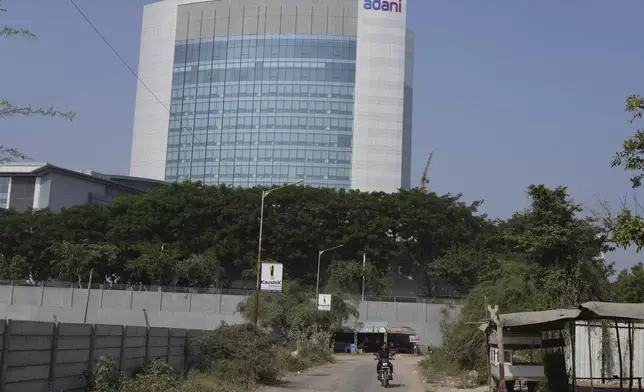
{"points": [[615, 310], [404, 330], [549, 319], [542, 317]]}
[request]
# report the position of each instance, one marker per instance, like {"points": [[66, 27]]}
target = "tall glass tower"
{"points": [[264, 92]]}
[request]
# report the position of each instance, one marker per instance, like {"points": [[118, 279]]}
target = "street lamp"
{"points": [[259, 249], [317, 283]]}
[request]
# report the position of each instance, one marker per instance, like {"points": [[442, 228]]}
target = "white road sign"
{"points": [[324, 302], [272, 277]]}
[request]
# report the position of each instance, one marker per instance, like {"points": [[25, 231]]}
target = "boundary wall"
{"points": [[187, 310], [49, 356]]}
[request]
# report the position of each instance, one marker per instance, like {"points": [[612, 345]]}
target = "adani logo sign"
{"points": [[384, 5]]}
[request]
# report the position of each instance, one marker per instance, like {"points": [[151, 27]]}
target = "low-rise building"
{"points": [[25, 185]]}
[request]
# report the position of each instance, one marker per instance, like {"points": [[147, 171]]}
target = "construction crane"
{"points": [[424, 180]]}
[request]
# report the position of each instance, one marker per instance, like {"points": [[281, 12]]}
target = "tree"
{"points": [[13, 268], [547, 259], [562, 246], [629, 228], [461, 266], [76, 261], [629, 286], [201, 270], [429, 227], [156, 263], [294, 310], [7, 109], [347, 277]]}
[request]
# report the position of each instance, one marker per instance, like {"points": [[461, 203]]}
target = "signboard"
{"points": [[414, 339], [272, 277], [370, 326], [324, 302], [384, 5]]}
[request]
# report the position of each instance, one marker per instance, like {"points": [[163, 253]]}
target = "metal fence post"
{"points": [[90, 361], [53, 355], [168, 345], [101, 305], [6, 339], [147, 343], [122, 351]]}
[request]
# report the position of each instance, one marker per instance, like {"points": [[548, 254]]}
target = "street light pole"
{"points": [[317, 283], [364, 262], [259, 249]]}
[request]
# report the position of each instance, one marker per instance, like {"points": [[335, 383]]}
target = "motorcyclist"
{"points": [[383, 354]]}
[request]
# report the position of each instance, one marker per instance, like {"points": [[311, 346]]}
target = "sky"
{"points": [[507, 93]]}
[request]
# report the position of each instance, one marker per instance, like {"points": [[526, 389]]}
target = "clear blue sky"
{"points": [[507, 93]]}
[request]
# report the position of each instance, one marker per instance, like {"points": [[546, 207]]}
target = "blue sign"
{"points": [[384, 5]]}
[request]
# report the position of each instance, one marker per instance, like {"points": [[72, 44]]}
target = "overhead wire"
{"points": [[87, 19]]}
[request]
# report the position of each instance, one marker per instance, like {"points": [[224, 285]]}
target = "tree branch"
{"points": [[10, 154], [8, 31], [9, 110]]}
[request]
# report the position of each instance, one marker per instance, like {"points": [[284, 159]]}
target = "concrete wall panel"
{"points": [[5, 295], [180, 310]]}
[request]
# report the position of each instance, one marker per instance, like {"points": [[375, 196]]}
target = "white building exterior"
{"points": [[381, 91]]}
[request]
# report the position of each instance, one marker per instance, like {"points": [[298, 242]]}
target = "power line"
{"points": [[130, 68]]}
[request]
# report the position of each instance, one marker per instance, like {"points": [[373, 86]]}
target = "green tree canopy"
{"points": [[629, 285], [294, 310], [629, 228]]}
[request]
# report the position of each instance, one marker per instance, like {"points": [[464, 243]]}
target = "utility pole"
{"points": [[259, 248], [317, 283]]}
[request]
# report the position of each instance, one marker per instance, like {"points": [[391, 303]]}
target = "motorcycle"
{"points": [[384, 374]]}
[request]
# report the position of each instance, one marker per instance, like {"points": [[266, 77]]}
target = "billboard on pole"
{"points": [[272, 277], [324, 302]]}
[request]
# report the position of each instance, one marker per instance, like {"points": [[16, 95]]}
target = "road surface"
{"points": [[354, 374]]}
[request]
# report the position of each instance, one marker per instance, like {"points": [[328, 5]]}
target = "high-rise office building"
{"points": [[264, 92]]}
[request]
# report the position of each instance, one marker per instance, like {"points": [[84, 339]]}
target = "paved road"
{"points": [[354, 374]]}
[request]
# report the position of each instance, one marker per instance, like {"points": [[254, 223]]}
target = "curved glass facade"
{"points": [[263, 110]]}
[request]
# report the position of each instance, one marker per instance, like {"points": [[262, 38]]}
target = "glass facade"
{"points": [[262, 110], [4, 191]]}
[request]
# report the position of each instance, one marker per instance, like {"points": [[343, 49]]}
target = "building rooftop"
{"points": [[41, 168]]}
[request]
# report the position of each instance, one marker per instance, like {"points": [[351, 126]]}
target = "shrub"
{"points": [[106, 376], [241, 354], [306, 349], [156, 376]]}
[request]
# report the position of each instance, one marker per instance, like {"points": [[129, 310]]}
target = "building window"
{"points": [[4, 191], [283, 104]]}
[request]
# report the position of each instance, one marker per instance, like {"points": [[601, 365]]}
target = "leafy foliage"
{"points": [[294, 310], [548, 259], [241, 354], [7, 109], [75, 261], [630, 226], [347, 276], [629, 285], [106, 376], [191, 234], [156, 376]]}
